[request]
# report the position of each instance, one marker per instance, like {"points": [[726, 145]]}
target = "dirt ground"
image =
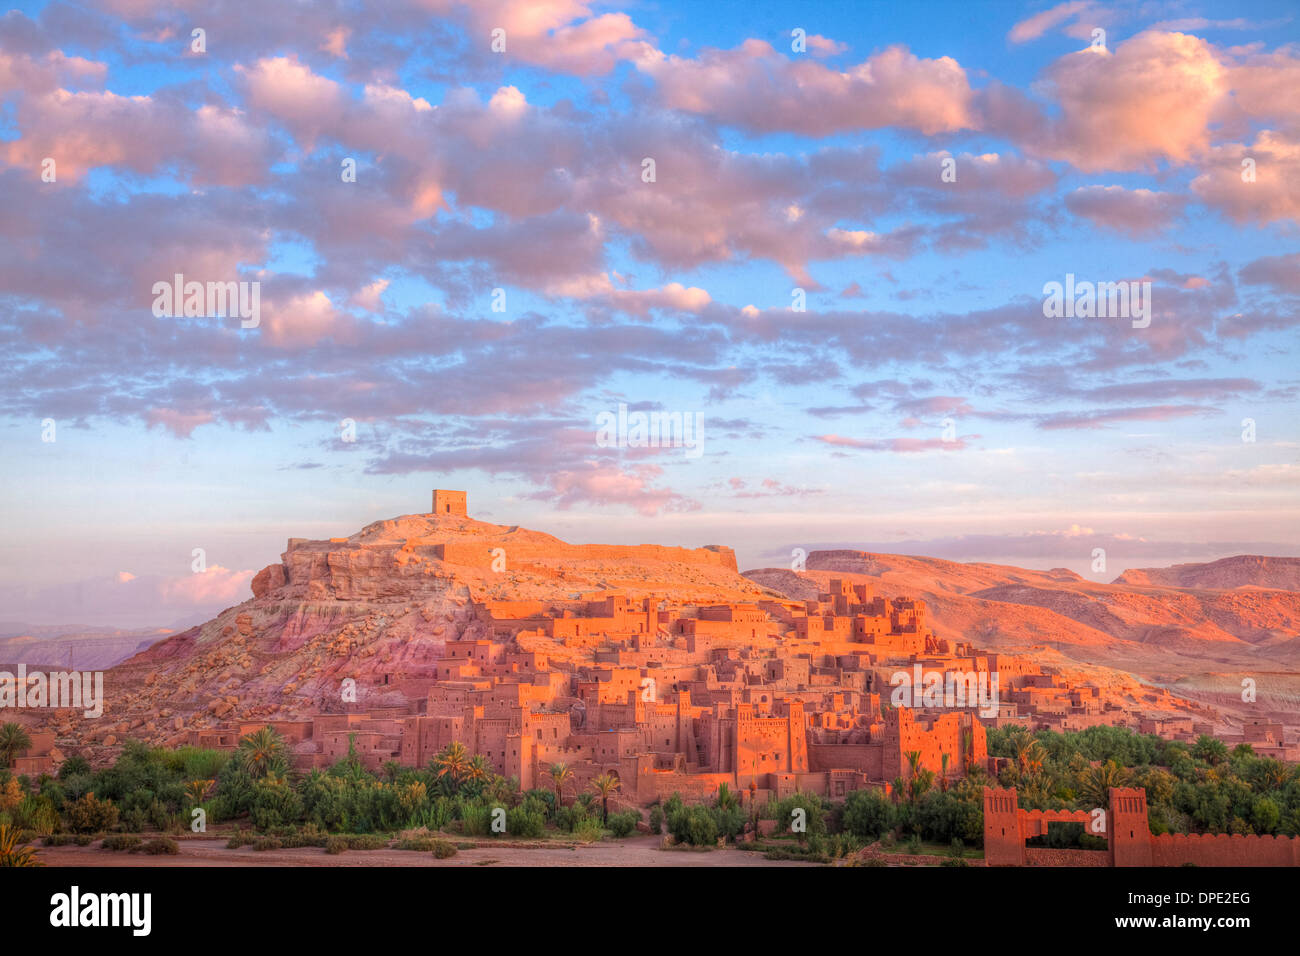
{"points": [[634, 851]]}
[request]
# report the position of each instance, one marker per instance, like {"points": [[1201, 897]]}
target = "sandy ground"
{"points": [[643, 851]]}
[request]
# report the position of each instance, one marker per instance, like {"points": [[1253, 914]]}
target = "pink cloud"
{"points": [[755, 87], [181, 424], [1136, 212], [605, 484], [900, 445]]}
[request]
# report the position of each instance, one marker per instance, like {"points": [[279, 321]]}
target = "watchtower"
{"points": [[448, 502], [1130, 831]]}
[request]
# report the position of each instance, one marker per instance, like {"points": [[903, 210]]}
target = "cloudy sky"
{"points": [[505, 265]]}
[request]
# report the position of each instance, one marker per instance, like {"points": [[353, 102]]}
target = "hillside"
{"points": [[1238, 571]]}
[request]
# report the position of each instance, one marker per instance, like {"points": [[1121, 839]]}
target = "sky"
{"points": [[822, 232]]}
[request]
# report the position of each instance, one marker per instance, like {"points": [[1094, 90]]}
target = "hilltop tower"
{"points": [[449, 502]]}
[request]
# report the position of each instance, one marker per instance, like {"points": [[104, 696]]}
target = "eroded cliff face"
{"points": [[376, 607]]}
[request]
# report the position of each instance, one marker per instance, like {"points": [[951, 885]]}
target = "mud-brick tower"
{"points": [[1130, 832], [449, 502], [1003, 844]]}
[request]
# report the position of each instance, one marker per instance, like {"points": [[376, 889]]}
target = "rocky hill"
{"points": [[377, 607], [1238, 571]]}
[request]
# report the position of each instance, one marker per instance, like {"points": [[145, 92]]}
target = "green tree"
{"points": [[561, 775], [262, 752], [13, 740], [1212, 751], [604, 785]]}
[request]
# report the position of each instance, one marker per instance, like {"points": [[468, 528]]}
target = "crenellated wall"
{"points": [[1006, 827]]}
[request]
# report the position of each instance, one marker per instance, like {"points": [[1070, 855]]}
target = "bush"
{"points": [[268, 843], [158, 846], [442, 849], [694, 825], [588, 830], [622, 824], [339, 842], [477, 819], [274, 805], [868, 814], [66, 839], [522, 822], [90, 814], [569, 819], [121, 841], [419, 844], [656, 819]]}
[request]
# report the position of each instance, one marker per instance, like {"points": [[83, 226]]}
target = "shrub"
{"points": [[64, 839], [268, 843], [694, 825], [121, 841], [477, 819], [522, 822], [656, 819], [274, 805], [339, 842], [336, 844], [622, 824], [569, 819], [420, 844], [588, 830], [442, 849], [158, 846], [89, 814]]}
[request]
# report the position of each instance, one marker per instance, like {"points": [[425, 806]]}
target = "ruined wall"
{"points": [[1043, 856]]}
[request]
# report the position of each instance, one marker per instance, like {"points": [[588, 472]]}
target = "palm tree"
{"points": [[196, 790], [943, 777], [1210, 750], [10, 853], [450, 764], [726, 799], [478, 769], [1019, 742], [604, 785], [1033, 757], [968, 750], [1095, 783], [13, 741], [560, 775], [913, 772], [262, 752]]}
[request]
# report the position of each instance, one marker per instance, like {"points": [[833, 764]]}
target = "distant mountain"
{"points": [[1239, 571], [70, 647]]}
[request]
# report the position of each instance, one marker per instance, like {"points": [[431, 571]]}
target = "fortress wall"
{"points": [[479, 554], [1175, 849], [863, 758]]}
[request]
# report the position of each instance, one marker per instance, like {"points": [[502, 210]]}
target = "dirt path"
{"points": [[642, 851]]}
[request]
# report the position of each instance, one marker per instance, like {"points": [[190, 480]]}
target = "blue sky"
{"points": [[922, 402]]}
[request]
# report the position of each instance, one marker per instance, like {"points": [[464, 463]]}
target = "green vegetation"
{"points": [[1198, 788]]}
